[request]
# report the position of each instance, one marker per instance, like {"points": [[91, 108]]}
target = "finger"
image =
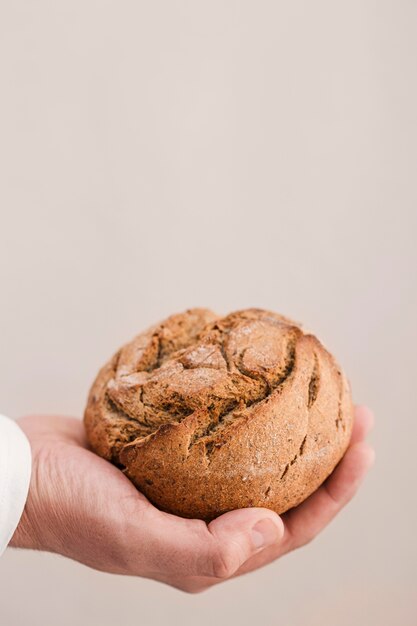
{"points": [[254, 528], [180, 547], [225, 548], [305, 521], [363, 423]]}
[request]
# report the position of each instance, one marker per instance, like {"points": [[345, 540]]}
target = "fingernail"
{"points": [[265, 533]]}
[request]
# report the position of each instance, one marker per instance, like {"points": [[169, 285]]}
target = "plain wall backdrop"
{"points": [[160, 155]]}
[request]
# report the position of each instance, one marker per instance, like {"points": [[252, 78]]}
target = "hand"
{"points": [[82, 507]]}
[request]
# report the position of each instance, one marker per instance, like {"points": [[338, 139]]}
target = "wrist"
{"points": [[15, 474], [30, 531], [23, 535]]}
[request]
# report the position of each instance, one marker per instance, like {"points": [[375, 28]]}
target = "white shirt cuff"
{"points": [[15, 472]]}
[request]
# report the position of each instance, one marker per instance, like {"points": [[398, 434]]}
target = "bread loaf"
{"points": [[205, 414]]}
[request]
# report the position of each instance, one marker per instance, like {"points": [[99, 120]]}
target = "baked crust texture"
{"points": [[205, 414]]}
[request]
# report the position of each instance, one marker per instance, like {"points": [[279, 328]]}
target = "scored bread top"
{"points": [[207, 413]]}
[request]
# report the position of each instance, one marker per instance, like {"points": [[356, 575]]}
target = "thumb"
{"points": [[175, 547], [239, 534]]}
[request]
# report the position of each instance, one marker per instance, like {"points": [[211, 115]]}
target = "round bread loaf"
{"points": [[205, 414]]}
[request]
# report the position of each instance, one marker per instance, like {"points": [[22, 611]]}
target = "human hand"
{"points": [[82, 507]]}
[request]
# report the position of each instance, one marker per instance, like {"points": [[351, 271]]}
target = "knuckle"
{"points": [[224, 562]]}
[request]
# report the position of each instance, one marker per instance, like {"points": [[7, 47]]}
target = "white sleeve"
{"points": [[15, 472]]}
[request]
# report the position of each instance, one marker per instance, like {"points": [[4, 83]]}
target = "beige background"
{"points": [[160, 155]]}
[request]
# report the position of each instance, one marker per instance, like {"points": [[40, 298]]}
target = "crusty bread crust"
{"points": [[205, 414]]}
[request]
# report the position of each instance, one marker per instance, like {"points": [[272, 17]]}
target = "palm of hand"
{"points": [[83, 507]]}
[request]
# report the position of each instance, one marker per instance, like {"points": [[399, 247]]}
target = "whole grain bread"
{"points": [[205, 414]]}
